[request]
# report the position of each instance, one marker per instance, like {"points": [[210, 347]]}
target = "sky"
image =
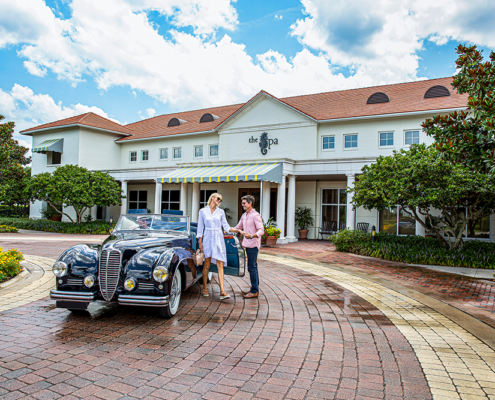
{"points": [[128, 60]]}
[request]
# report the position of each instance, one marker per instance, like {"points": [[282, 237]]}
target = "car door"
{"points": [[236, 257]]}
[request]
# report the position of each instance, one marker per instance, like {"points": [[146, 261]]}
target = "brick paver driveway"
{"points": [[316, 331]]}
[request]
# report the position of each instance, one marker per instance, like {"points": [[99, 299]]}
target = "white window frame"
{"points": [[412, 130], [147, 155], [194, 151], [169, 201], [137, 201], [338, 205], [465, 235], [160, 154], [323, 143], [209, 150], [201, 203], [130, 156], [351, 148], [387, 146], [397, 224], [173, 153]]}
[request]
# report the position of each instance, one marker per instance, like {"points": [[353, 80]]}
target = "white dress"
{"points": [[211, 227]]}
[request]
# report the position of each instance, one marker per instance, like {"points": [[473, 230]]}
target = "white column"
{"points": [[265, 203], [158, 198], [291, 210], [195, 202], [123, 208], [350, 220], [281, 211], [183, 197], [420, 230]]}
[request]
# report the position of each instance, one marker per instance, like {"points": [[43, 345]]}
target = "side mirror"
{"points": [[112, 231]]}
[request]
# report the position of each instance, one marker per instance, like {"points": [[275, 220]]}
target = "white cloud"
{"points": [[151, 112], [28, 109], [279, 17], [114, 43], [381, 38]]}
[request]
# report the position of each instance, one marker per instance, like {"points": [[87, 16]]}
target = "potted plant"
{"points": [[272, 234], [50, 213], [304, 219], [268, 224]]}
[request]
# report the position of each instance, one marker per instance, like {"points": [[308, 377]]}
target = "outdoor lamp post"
{"points": [[373, 229]]}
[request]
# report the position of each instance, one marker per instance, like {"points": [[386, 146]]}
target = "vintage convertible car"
{"points": [[146, 261]]}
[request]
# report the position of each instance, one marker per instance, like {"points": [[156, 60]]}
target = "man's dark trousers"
{"points": [[252, 256]]}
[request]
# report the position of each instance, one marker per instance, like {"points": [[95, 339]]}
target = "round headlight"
{"points": [[129, 284], [89, 281], [59, 269], [160, 274]]}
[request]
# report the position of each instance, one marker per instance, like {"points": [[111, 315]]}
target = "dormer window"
{"points": [[208, 118], [437, 91], [175, 122], [377, 98]]}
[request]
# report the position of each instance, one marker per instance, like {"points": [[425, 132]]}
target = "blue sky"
{"points": [[132, 59]]}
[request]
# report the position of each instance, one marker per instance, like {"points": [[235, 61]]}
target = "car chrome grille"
{"points": [[109, 273], [74, 282], [146, 285]]}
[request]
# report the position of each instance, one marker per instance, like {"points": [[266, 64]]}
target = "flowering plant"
{"points": [[272, 231], [8, 229], [10, 263]]}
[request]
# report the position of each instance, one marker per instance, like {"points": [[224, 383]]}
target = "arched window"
{"points": [[174, 122], [377, 98], [208, 118], [437, 91]]}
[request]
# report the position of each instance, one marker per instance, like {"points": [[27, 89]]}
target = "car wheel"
{"points": [[210, 276], [171, 308]]}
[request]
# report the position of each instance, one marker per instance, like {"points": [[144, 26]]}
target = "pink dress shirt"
{"points": [[251, 223]]}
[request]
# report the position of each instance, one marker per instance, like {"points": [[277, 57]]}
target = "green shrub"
{"points": [[416, 249], [93, 227], [10, 263], [8, 229]]}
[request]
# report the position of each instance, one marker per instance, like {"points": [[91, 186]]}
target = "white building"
{"points": [[315, 146]]}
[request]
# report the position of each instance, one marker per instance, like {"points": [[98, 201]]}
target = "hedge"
{"points": [[416, 249], [10, 263], [93, 227]]}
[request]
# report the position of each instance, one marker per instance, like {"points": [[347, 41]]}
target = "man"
{"points": [[252, 225]]}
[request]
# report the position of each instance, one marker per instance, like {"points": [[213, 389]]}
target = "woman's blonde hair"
{"points": [[214, 195]]}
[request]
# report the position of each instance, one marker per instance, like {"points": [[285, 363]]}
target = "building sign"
{"points": [[265, 143]]}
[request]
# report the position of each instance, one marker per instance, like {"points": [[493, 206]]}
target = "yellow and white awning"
{"points": [[56, 145], [226, 173]]}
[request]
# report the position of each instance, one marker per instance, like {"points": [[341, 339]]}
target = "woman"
{"points": [[211, 224]]}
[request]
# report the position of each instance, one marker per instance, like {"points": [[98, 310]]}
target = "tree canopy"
{"points": [[425, 184], [468, 137], [77, 187], [12, 160]]}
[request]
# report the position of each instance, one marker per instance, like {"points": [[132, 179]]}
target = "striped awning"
{"points": [[56, 145], [226, 173]]}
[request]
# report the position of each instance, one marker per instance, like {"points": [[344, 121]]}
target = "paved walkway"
{"points": [[343, 329]]}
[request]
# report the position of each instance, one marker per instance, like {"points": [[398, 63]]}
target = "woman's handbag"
{"points": [[198, 257]]}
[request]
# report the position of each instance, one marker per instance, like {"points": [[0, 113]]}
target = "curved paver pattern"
{"points": [[305, 337], [455, 362]]}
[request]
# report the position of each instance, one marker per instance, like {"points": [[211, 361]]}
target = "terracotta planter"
{"points": [[263, 240], [271, 241], [303, 233], [57, 218]]}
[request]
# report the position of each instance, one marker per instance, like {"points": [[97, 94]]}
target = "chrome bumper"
{"points": [[147, 301], [83, 297]]}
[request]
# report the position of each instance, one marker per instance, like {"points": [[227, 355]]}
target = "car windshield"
{"points": [[152, 222]]}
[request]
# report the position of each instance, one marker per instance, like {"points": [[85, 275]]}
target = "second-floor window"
{"points": [[328, 142], [386, 139], [163, 154], [214, 150], [133, 156], [411, 137], [198, 151], [144, 155], [351, 141], [177, 153]]}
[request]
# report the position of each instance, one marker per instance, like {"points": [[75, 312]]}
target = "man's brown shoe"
{"points": [[246, 291], [250, 295]]}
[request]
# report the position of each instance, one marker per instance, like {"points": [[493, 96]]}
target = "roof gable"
{"points": [[89, 119]]}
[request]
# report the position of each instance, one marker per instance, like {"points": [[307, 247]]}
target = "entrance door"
{"points": [[255, 192]]}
